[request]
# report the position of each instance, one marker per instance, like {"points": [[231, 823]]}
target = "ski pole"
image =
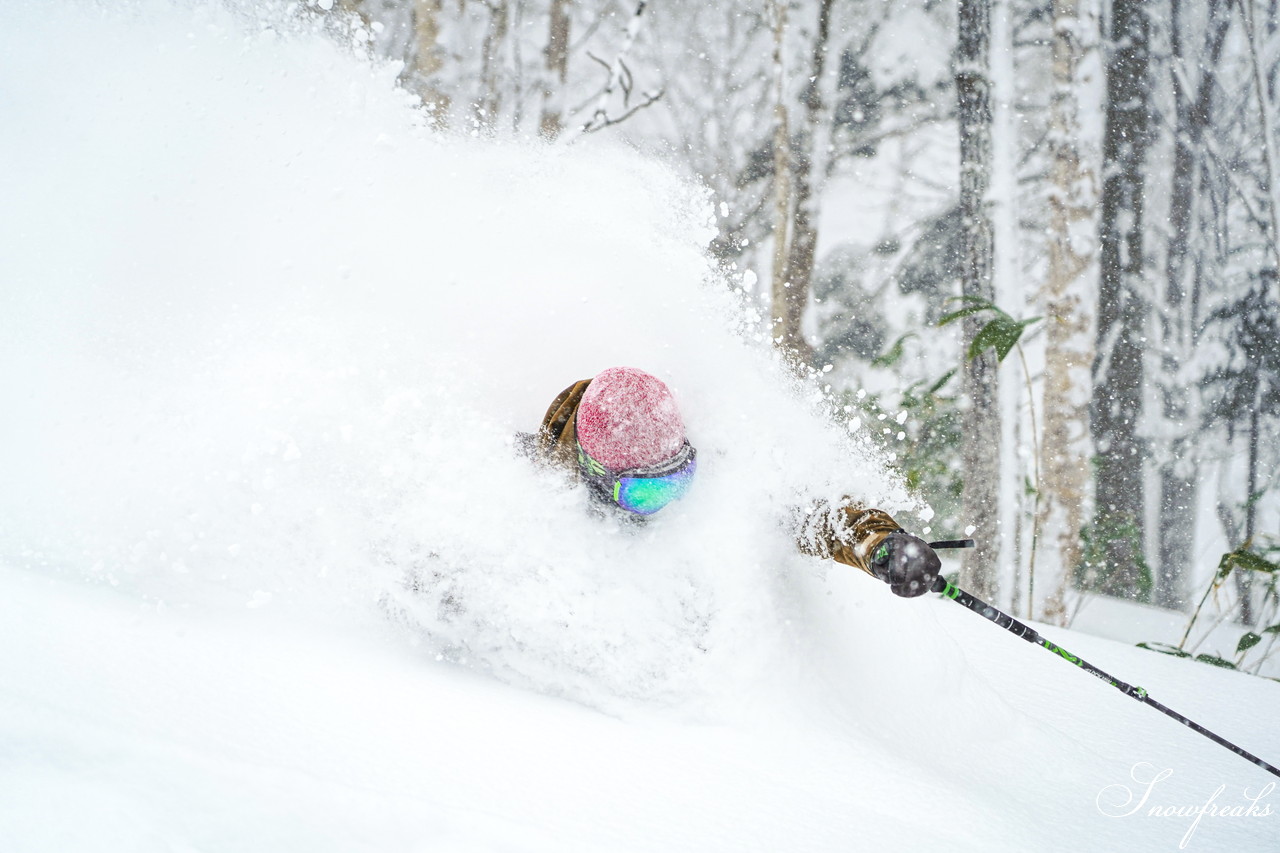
{"points": [[1004, 620]]}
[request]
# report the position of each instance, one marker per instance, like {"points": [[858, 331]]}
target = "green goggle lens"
{"points": [[644, 491], [647, 495]]}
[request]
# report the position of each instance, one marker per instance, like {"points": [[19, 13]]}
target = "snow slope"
{"points": [[274, 578]]}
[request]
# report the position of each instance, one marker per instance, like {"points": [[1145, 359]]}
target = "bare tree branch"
{"points": [[619, 76], [600, 123]]}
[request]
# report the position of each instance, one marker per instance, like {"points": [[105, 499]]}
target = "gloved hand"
{"points": [[906, 563]]}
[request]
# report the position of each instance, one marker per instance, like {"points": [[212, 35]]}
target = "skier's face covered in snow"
{"points": [[632, 450]]}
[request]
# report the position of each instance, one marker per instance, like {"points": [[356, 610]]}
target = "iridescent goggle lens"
{"points": [[644, 491]]}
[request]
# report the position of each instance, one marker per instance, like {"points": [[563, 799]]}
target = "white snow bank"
{"points": [[126, 727]]}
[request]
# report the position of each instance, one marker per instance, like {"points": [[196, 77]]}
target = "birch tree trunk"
{"points": [[791, 292], [1018, 420], [426, 59], [1118, 375], [1264, 86], [1180, 469], [981, 425], [1068, 294], [557, 55], [1244, 580], [495, 36], [1264, 62], [781, 176]]}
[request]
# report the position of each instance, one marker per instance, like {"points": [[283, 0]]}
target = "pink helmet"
{"points": [[628, 419]]}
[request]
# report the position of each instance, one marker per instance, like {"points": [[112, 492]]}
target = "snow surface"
{"points": [[275, 579]]}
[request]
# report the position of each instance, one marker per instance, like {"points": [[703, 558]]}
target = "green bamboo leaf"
{"points": [[1022, 327], [1214, 660], [1254, 563], [891, 356], [1165, 649], [1245, 559], [1002, 333], [1274, 629], [985, 339], [937, 386], [1248, 641], [962, 313], [1225, 565], [1012, 333]]}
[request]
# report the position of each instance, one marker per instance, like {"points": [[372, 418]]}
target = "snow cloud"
{"points": [[266, 339]]}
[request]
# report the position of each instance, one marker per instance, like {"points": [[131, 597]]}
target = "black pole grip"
{"points": [[951, 543]]}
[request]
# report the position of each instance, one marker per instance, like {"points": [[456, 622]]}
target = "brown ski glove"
{"points": [[846, 532]]}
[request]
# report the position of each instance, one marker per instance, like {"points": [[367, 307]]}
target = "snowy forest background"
{"points": [[1029, 246]]}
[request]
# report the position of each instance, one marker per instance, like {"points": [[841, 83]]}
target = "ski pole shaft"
{"points": [[1013, 626]]}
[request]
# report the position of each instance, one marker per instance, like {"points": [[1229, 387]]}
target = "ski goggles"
{"points": [[643, 491]]}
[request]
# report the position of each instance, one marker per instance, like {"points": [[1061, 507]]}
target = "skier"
{"points": [[622, 435]]}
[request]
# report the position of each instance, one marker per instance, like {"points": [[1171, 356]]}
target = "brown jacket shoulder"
{"points": [[556, 442]]}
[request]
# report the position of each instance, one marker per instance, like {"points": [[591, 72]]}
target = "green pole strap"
{"points": [[1013, 626]]}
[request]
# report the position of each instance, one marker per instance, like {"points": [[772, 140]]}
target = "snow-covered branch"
{"points": [[620, 78]]}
